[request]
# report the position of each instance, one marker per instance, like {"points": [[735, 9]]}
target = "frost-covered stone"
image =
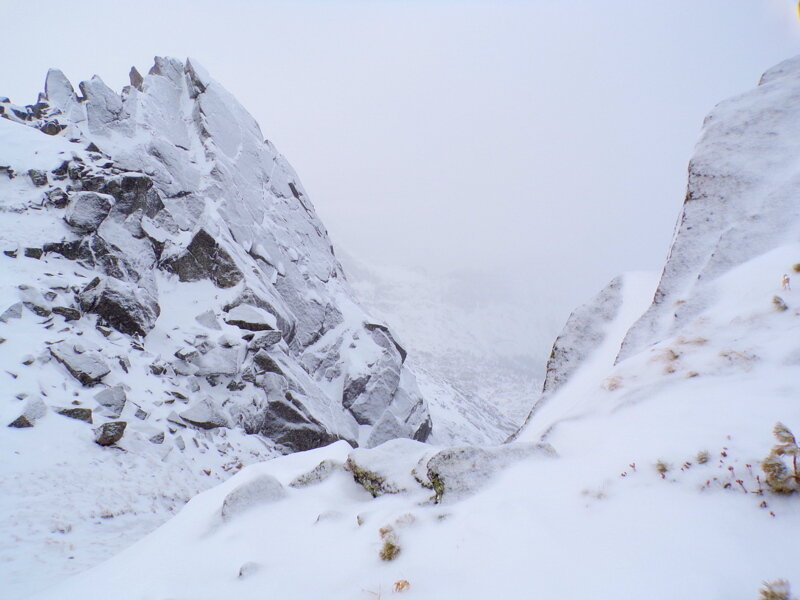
{"points": [[204, 258], [251, 318], [112, 400], [456, 473], [87, 367], [582, 334], [109, 433], [12, 312], [318, 474], [260, 490], [204, 414], [125, 306], [86, 210]]}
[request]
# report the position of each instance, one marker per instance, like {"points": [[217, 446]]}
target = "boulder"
{"points": [[456, 473], [251, 318], [264, 340], [204, 258], [112, 400], [318, 474], [81, 414], [86, 210], [122, 305], [208, 319], [109, 433], [204, 414], [287, 422], [86, 367], [263, 489], [132, 192]]}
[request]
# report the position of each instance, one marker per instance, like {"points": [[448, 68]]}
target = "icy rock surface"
{"points": [[582, 334], [741, 200]]}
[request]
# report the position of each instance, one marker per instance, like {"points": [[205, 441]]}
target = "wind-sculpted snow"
{"points": [[741, 200]]}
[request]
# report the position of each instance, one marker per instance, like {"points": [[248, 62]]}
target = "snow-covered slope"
{"points": [[640, 479]]}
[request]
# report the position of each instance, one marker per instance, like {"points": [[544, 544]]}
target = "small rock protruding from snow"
{"points": [[125, 306], [80, 414], [109, 433], [35, 409], [261, 490], [318, 474]]}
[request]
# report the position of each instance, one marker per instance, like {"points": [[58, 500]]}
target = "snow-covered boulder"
{"points": [[86, 210], [262, 489]]}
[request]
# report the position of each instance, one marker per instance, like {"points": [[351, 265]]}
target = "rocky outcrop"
{"points": [[583, 333], [736, 207], [164, 188]]}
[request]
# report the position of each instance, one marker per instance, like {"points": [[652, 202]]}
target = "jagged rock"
{"points": [[204, 414], [112, 400], [583, 333], [157, 438], [266, 363], [39, 178], [86, 210], [34, 409], [134, 192], [56, 198], [12, 312], [203, 258], [288, 423], [318, 474], [87, 367], [33, 253], [69, 314], [264, 340], [260, 490], [109, 433], [251, 318], [81, 414], [124, 306]]}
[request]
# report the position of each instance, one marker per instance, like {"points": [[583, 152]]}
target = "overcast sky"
{"points": [[544, 141]]}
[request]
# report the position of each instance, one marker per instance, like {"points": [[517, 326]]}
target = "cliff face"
{"points": [[174, 223], [741, 200]]}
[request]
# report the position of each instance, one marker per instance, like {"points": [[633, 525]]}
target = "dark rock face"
{"points": [[109, 433], [266, 363], [122, 305], [86, 367], [264, 340], [203, 258], [39, 178], [81, 414], [69, 314], [57, 198], [134, 192], [287, 422], [87, 210]]}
